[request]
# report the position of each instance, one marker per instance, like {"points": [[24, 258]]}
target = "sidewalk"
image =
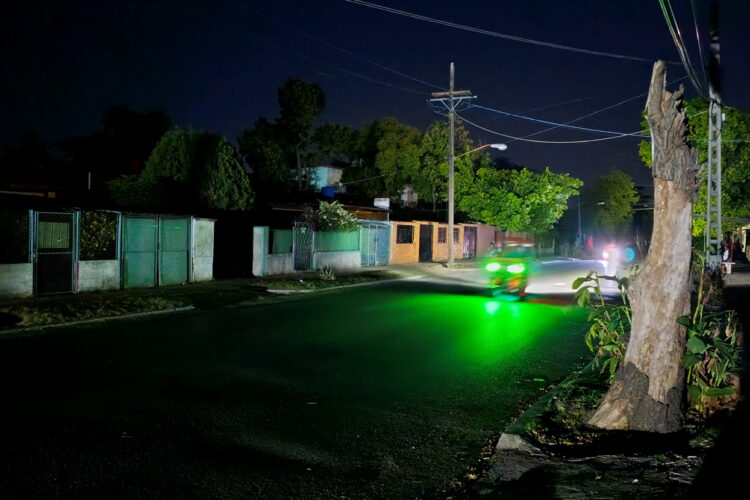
{"points": [[672, 468]]}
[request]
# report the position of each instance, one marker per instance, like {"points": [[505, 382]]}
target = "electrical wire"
{"points": [[679, 44], [698, 41], [496, 34], [340, 49], [546, 122]]}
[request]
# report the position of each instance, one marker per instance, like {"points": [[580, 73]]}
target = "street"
{"points": [[382, 391]]}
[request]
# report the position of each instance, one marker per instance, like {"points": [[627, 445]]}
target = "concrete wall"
{"points": [[94, 275], [279, 263], [203, 250], [404, 252], [485, 239], [17, 280], [337, 260]]}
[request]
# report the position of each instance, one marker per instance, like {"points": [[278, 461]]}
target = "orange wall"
{"points": [[402, 253]]}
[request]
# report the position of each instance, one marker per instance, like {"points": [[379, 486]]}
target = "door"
{"points": [[54, 249], [174, 241], [425, 242], [139, 251], [374, 244], [302, 245], [470, 242]]}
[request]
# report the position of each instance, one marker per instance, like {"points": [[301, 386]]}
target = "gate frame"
{"points": [[34, 247]]}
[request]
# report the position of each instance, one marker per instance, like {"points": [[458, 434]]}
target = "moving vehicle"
{"points": [[508, 269]]}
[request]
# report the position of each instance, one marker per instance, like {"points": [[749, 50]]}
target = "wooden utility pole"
{"points": [[453, 97]]}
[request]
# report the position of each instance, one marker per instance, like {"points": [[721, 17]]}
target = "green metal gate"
{"points": [[139, 249], [174, 241], [374, 243], [55, 248], [156, 251], [302, 246]]}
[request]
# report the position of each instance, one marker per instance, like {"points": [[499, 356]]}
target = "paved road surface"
{"points": [[382, 391]]}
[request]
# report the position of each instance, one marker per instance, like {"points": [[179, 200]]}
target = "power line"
{"points": [[681, 49], [341, 49], [496, 34]]}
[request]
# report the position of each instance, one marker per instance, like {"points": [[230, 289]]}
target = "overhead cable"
{"points": [[496, 34]]}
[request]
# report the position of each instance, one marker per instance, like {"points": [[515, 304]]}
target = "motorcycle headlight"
{"points": [[516, 268], [492, 267]]}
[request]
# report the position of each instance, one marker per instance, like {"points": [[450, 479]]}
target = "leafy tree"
{"points": [[735, 160], [330, 217], [612, 197], [398, 156], [265, 153], [301, 102], [516, 200], [186, 169], [334, 143], [432, 181], [362, 178]]}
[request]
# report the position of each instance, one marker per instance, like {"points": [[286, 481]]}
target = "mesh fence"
{"points": [[173, 251], [139, 251], [98, 236], [281, 241], [336, 241], [54, 248], [14, 234]]}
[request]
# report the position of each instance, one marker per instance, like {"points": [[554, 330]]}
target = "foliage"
{"points": [[609, 322], [613, 196], [327, 274], [330, 217], [712, 357], [432, 181], [14, 233], [398, 157], [301, 102], [98, 235], [363, 177], [187, 169], [516, 200], [735, 160], [265, 153]]}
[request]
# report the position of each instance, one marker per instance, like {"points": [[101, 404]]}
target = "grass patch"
{"points": [[563, 419], [77, 310], [318, 282]]}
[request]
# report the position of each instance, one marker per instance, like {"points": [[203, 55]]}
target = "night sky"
{"points": [[217, 65]]}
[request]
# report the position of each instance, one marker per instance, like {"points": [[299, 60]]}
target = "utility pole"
{"points": [[715, 118], [450, 99]]}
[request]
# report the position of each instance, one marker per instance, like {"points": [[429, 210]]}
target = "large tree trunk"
{"points": [[646, 393]]}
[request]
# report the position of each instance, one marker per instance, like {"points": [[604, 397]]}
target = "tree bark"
{"points": [[646, 393]]}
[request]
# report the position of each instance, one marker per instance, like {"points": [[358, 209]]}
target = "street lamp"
{"points": [[451, 200]]}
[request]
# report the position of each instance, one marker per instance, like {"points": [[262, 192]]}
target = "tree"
{"points": [[432, 181], [398, 155], [186, 169], [612, 198], [29, 162], [646, 393], [516, 200], [301, 102], [265, 153], [735, 160], [362, 178]]}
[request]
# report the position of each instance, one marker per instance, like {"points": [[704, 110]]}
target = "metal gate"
{"points": [[425, 242], [174, 245], [55, 249], [302, 246], [139, 249], [155, 250], [374, 243], [470, 242]]}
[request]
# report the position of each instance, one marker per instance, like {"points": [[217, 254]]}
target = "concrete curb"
{"points": [[369, 283]]}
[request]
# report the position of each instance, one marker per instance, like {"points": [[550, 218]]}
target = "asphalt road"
{"points": [[380, 391]]}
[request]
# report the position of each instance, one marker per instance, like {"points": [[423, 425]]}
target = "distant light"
{"points": [[492, 267], [491, 307], [516, 268], [629, 254]]}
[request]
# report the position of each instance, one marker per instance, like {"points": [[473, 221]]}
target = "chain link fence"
{"points": [[14, 234], [98, 236]]}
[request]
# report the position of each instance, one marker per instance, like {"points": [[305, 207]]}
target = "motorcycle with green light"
{"points": [[508, 269]]}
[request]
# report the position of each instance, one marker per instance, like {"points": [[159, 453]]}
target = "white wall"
{"points": [[203, 250], [337, 260], [97, 275], [17, 280]]}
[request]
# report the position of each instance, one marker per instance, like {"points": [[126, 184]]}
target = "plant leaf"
{"points": [[695, 345]]}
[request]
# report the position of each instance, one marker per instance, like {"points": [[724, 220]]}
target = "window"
{"points": [[455, 235], [441, 234], [404, 234]]}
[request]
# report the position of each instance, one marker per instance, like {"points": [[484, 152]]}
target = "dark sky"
{"points": [[216, 65]]}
